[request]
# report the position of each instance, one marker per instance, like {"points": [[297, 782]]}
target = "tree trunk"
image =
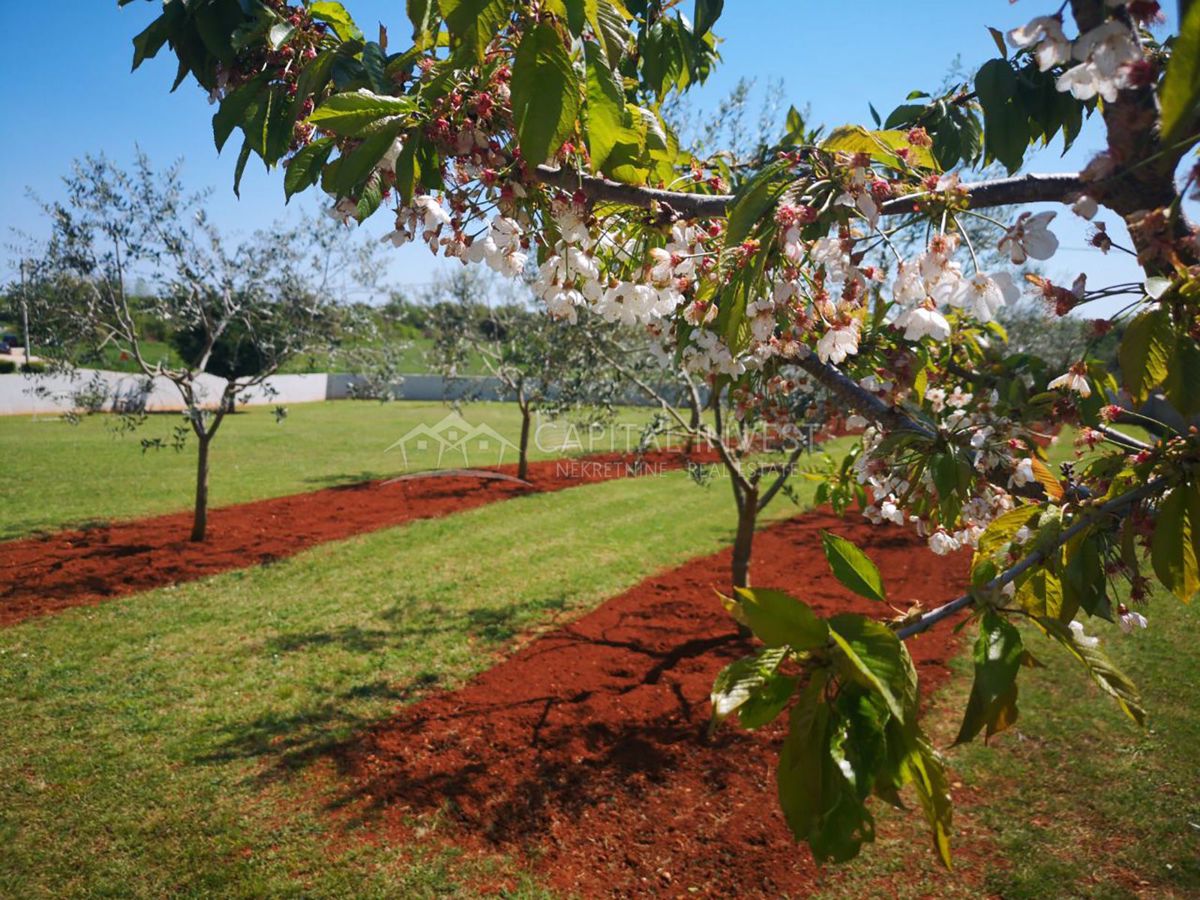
{"points": [[743, 543], [523, 461], [200, 515]]}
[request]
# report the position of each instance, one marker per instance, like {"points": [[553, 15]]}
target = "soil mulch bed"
{"points": [[43, 575], [584, 754]]}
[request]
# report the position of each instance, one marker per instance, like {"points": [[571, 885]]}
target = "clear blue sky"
{"points": [[70, 60]]}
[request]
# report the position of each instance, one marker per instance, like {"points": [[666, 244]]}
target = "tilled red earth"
{"points": [[585, 756], [43, 575]]}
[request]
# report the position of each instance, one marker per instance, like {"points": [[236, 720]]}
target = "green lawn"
{"points": [[1075, 800], [134, 734], [57, 474]]}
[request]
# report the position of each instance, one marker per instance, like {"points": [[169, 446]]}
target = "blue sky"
{"points": [[72, 59]]}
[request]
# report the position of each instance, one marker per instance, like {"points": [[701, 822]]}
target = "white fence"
{"points": [[49, 394]]}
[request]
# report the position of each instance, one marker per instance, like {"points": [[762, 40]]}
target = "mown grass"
{"points": [[138, 738], [57, 474], [1075, 800]]}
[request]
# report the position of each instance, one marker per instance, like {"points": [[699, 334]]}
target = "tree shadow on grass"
{"points": [[286, 742], [289, 741], [345, 479]]}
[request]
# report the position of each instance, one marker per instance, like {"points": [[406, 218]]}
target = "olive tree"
{"points": [[236, 309], [549, 367]]}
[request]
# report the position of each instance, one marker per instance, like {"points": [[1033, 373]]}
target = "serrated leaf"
{"points": [[872, 655], [1173, 546], [336, 16], [1107, 676], [353, 112], [754, 199], [1183, 375], [998, 656], [1052, 486], [928, 777], [605, 107], [304, 170], [778, 619], [852, 567], [1180, 95], [363, 159], [1145, 352], [743, 680], [882, 146], [545, 94]]}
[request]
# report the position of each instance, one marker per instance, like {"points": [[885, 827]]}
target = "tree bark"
{"points": [[200, 513], [743, 543], [523, 460]]}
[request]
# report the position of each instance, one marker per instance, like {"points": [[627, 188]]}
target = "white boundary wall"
{"points": [[19, 394]]}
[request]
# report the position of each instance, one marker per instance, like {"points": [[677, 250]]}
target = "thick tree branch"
{"points": [[859, 398], [1033, 188]]}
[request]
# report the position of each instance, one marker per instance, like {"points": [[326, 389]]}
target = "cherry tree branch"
{"points": [[855, 395], [1118, 506], [1032, 188]]}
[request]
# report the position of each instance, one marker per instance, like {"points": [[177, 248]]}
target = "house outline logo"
{"points": [[453, 436]]}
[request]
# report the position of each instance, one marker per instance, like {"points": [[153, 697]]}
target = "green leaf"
{"points": [[799, 776], [997, 657], [1041, 594], [236, 109], [1108, 677], [609, 24], [352, 113], [422, 14], [1001, 530], [882, 146], [872, 655], [756, 197], [705, 16], [1183, 374], [578, 13], [829, 762], [240, 168], [928, 775], [304, 170], [750, 679], [1085, 583], [147, 44], [605, 107], [778, 619], [1145, 352], [374, 61], [363, 160], [1181, 85], [280, 34], [1173, 547], [545, 94], [852, 567], [995, 83], [337, 17]]}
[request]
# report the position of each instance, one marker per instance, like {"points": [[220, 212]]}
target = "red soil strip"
{"points": [[43, 575], [584, 754]]}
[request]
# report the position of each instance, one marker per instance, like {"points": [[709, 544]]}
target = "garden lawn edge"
{"points": [[585, 757], [85, 566]]}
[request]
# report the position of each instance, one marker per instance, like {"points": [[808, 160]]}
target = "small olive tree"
{"points": [[549, 366], [236, 309]]}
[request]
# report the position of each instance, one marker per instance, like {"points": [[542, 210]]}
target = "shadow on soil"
{"points": [[288, 742]]}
